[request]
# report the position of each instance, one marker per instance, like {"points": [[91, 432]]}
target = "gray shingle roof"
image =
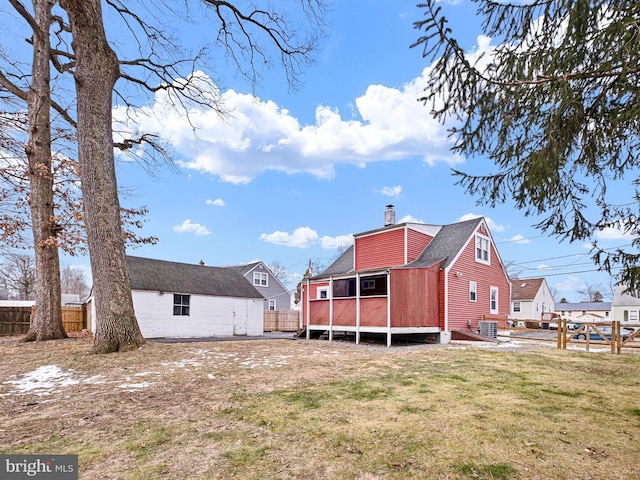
{"points": [[244, 268], [163, 276], [447, 243], [605, 306], [343, 264]]}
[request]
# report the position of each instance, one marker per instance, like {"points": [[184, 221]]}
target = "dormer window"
{"points": [[482, 249]]}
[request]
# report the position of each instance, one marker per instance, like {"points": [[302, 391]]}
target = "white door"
{"points": [[240, 319]]}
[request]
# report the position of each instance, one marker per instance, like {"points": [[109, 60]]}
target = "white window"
{"points": [[473, 286], [272, 305], [368, 284], [633, 316], [322, 292], [516, 306], [493, 302], [260, 279], [482, 249]]}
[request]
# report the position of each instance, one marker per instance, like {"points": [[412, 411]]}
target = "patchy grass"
{"points": [[316, 410]]}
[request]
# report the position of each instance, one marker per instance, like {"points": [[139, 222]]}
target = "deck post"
{"points": [[388, 308], [357, 308], [330, 294]]}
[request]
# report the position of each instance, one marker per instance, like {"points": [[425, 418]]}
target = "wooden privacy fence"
{"points": [[281, 320], [16, 320]]}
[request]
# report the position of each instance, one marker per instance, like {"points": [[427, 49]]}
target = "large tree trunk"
{"points": [[97, 70], [47, 324]]}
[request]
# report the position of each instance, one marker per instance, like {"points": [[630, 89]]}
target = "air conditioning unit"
{"points": [[488, 329]]}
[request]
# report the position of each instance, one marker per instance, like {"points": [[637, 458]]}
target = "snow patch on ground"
{"points": [[41, 381]]}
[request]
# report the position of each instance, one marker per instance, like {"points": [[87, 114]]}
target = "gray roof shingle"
{"points": [[343, 264], [447, 243], [164, 276]]}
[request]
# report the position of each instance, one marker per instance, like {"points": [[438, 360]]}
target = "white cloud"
{"points": [[305, 237], [518, 238], [493, 226], [259, 135], [218, 202], [570, 284], [542, 266], [302, 237], [409, 219], [612, 233], [189, 227], [336, 242], [392, 191]]}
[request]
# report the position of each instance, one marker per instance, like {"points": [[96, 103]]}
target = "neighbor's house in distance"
{"points": [[626, 306], [530, 298], [585, 311], [278, 297], [410, 278]]}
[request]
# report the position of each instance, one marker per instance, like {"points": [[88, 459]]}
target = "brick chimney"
{"points": [[389, 216]]}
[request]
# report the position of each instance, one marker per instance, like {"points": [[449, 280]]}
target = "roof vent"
{"points": [[389, 216]]}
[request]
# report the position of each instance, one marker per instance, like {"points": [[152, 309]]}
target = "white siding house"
{"points": [[179, 300], [530, 298], [626, 306]]}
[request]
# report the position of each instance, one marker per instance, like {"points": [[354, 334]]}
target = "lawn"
{"points": [[285, 409]]}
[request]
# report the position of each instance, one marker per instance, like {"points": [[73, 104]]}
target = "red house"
{"points": [[410, 278]]}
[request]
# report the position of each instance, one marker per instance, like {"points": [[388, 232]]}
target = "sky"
{"points": [[289, 176]]}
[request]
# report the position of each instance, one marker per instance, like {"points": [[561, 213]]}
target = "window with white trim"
{"points": [[493, 302], [322, 292], [482, 249], [272, 305], [260, 279], [516, 306], [473, 287]]}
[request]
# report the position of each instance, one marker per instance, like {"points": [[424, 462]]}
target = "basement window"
{"points": [[181, 304]]}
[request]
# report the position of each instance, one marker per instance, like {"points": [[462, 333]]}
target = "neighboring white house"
{"points": [[585, 311], [530, 298], [179, 300], [625, 306]]}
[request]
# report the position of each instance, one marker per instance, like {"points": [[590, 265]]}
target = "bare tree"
{"points": [[18, 275], [591, 293], [72, 280], [47, 322], [277, 269], [96, 71]]}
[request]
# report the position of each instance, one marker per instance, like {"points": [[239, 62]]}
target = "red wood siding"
{"points": [[379, 250], [416, 243], [344, 311], [486, 276], [319, 312], [373, 312], [415, 297]]}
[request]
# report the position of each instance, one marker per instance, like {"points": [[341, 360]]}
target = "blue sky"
{"points": [[290, 176]]}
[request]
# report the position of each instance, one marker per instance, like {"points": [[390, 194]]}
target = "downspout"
{"points": [[308, 312]]}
